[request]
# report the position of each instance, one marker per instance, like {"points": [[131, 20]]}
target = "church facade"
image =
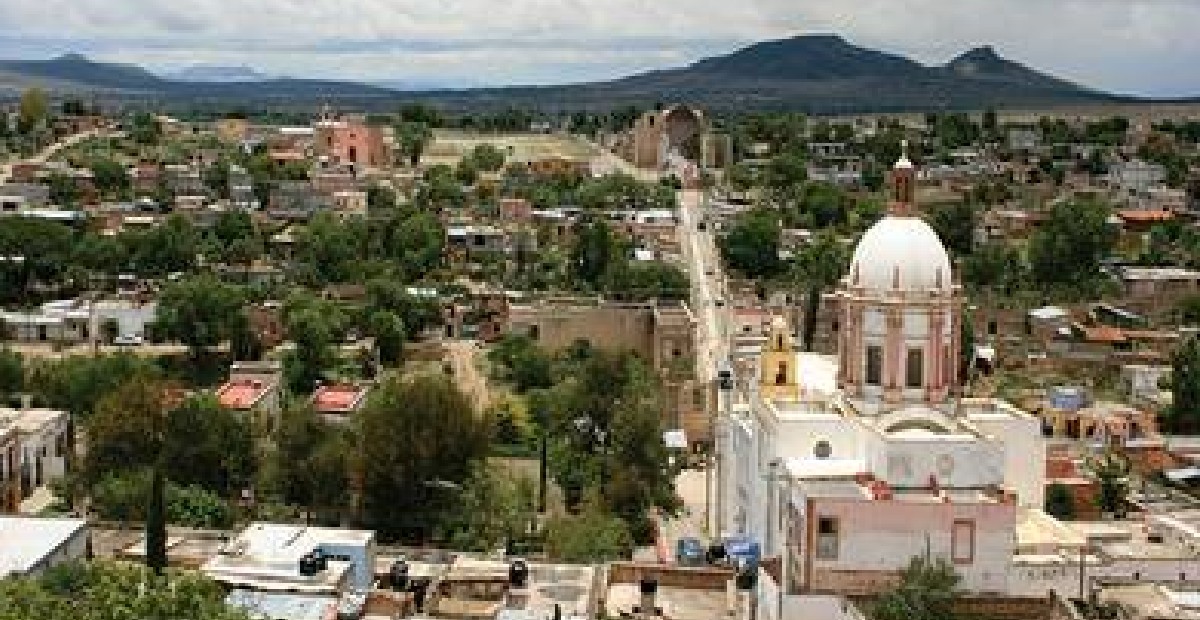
{"points": [[848, 465]]}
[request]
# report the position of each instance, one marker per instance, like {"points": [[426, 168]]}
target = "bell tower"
{"points": [[777, 366], [904, 185]]}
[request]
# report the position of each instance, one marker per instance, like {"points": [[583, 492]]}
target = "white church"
{"points": [[847, 466]]}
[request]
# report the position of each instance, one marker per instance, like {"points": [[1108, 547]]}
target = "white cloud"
{"points": [[1128, 45]]}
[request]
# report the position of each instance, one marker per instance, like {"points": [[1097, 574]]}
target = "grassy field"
{"points": [[449, 146]]}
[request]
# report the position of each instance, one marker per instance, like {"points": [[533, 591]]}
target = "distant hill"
{"points": [[74, 74], [216, 73], [814, 73]]}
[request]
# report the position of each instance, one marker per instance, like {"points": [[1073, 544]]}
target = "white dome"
{"points": [[900, 253]]}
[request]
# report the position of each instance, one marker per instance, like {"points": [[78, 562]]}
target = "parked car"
{"points": [[129, 340], [689, 552]]}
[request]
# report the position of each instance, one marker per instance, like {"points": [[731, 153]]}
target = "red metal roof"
{"points": [[242, 394], [338, 398]]}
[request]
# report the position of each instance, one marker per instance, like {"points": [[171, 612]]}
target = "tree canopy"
{"points": [[101, 590], [201, 312], [927, 591], [420, 442], [752, 245]]}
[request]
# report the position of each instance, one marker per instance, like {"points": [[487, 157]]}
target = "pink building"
{"points": [[337, 402], [253, 388], [352, 142]]}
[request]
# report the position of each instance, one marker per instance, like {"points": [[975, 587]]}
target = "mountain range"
{"points": [[215, 73], [814, 73]]}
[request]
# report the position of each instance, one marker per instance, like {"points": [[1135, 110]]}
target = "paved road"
{"points": [[606, 162], [462, 356], [696, 488], [48, 152], [702, 257]]}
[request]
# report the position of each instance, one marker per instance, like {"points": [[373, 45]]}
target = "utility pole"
{"points": [[1082, 577]]}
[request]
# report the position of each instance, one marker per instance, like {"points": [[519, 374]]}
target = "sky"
{"points": [[1144, 47]]}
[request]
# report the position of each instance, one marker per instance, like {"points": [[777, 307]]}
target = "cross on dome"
{"points": [[904, 162], [904, 181]]}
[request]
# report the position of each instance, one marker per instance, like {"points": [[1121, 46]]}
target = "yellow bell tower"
{"points": [[777, 366]]}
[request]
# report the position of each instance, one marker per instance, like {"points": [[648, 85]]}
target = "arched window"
{"points": [[914, 368], [781, 375], [874, 365]]}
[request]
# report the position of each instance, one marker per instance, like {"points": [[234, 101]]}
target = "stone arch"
{"points": [[683, 128], [916, 419]]}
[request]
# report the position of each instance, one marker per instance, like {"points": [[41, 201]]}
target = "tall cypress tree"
{"points": [[156, 522]]}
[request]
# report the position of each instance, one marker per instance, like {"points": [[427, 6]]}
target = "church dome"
{"points": [[900, 254]]}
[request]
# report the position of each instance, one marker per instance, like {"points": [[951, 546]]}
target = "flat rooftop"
{"points": [[676, 603], [26, 541], [1038, 532], [338, 398], [277, 606], [1154, 600], [266, 556], [242, 393]]}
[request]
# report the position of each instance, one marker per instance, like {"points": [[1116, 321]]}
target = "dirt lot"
{"points": [[448, 146]]}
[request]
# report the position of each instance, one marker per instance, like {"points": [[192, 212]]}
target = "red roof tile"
{"points": [[338, 398], [242, 394]]}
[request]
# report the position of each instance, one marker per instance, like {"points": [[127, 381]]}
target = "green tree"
{"points": [[421, 113], [170, 248], [103, 590], [927, 590], [420, 442], [200, 312], [486, 158], [77, 384], [12, 372], [1189, 310], [313, 326], [752, 245], [210, 447], [1068, 248], [588, 538], [64, 190], [607, 421], [523, 363], [1111, 471], [643, 280], [331, 249], [1060, 504], [816, 268], [1183, 416], [216, 179], [955, 224], [110, 177], [413, 242], [33, 110], [388, 331], [413, 137], [996, 266], [312, 461], [44, 248], [156, 521], [495, 508], [595, 251], [144, 129]]}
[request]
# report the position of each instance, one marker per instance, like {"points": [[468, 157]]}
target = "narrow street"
{"points": [[702, 262], [462, 355], [48, 152]]}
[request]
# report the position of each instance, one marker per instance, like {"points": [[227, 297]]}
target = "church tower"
{"points": [[777, 366], [899, 310]]}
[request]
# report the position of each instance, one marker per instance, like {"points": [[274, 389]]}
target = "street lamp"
{"points": [[724, 392], [774, 476]]}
